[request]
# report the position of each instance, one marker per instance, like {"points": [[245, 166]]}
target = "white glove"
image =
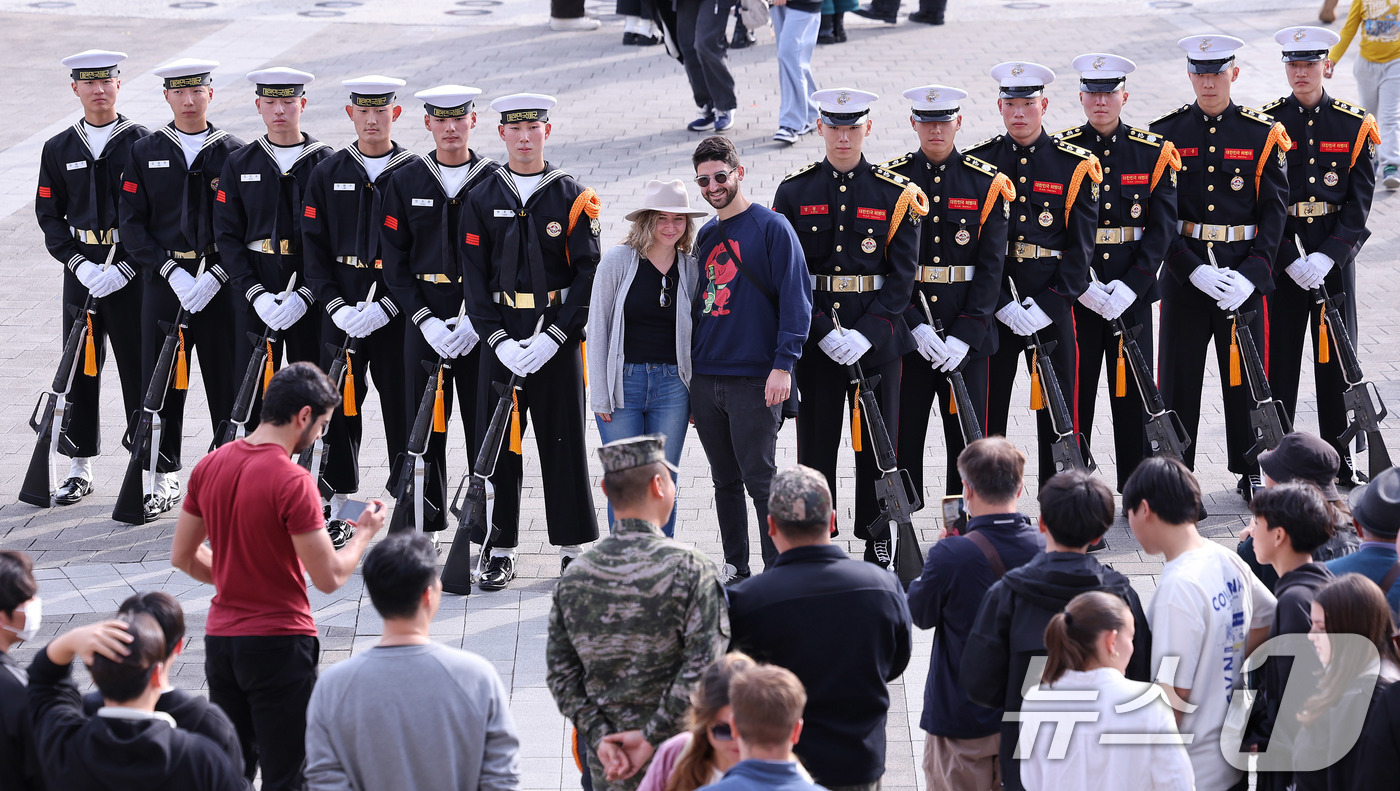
{"points": [[464, 337], [1319, 264], [1120, 298], [288, 312], [89, 274], [511, 355], [203, 290], [1299, 271], [344, 317], [930, 345], [111, 282], [856, 345], [180, 282], [1095, 297], [1211, 281], [1036, 319], [368, 319], [436, 333], [536, 352], [265, 305], [957, 352], [1239, 290], [1014, 317], [833, 344]]}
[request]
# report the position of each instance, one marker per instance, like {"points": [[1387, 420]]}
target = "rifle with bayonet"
{"points": [[1267, 420], [1166, 434], [967, 415], [409, 478], [313, 458], [237, 424], [144, 436], [50, 417], [1067, 450]]}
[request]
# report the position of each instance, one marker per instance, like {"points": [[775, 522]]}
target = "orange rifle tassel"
{"points": [[1234, 356], [439, 407], [952, 400], [855, 423], [1324, 346], [90, 352], [1121, 386], [1037, 400], [267, 368], [182, 368], [515, 424], [583, 355], [348, 399]]}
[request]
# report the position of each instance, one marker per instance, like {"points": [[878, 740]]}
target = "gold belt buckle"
{"points": [[937, 275], [1313, 209], [844, 283], [1026, 250], [97, 237], [1213, 233], [1109, 236], [522, 300]]}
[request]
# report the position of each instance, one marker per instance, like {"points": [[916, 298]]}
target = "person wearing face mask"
{"points": [[20, 617]]}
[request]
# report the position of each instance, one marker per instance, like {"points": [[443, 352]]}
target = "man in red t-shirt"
{"points": [[262, 515]]}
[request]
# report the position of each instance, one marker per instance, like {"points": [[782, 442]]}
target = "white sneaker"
{"points": [[785, 135], [578, 23]]}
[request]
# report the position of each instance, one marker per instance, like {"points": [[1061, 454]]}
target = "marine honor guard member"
{"points": [[1050, 238], [1230, 201], [1331, 178], [962, 245], [79, 183], [531, 240], [1137, 222], [257, 222], [167, 225], [423, 268], [340, 222], [859, 228]]}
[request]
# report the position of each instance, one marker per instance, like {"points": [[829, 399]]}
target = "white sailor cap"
{"points": [[1306, 43], [524, 107], [448, 101], [843, 106], [373, 90], [1100, 72], [279, 82], [1022, 80], [934, 102], [94, 64], [1209, 54], [186, 72]]}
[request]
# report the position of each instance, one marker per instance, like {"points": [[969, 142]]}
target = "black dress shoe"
{"points": [[498, 574], [825, 33], [838, 27], [647, 41], [72, 490], [629, 39], [564, 564], [926, 17], [870, 12]]}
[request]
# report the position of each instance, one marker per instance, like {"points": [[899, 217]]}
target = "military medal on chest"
{"points": [[1330, 179], [962, 236], [554, 229], [1136, 211], [1237, 183], [1046, 219], [868, 245]]}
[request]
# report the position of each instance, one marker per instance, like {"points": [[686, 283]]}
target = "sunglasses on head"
{"points": [[722, 732], [720, 178]]}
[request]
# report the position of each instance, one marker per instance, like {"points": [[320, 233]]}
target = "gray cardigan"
{"points": [[610, 284]]}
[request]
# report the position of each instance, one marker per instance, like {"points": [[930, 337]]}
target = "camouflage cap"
{"points": [[624, 454], [799, 494]]}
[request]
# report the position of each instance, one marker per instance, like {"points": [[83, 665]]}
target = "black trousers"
{"points": [[921, 387], [1189, 321], [739, 432], [264, 685], [553, 397], [827, 392], [118, 321], [1011, 354], [209, 333], [1098, 347], [566, 9], [380, 360], [701, 35], [300, 342]]}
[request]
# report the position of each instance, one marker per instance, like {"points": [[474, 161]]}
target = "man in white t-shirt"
{"points": [[1208, 614]]}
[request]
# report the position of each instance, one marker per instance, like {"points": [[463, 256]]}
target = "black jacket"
{"points": [[1010, 630], [843, 628], [20, 764], [79, 753], [1361, 764], [194, 714], [1378, 754]]}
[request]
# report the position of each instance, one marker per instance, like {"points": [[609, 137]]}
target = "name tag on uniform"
{"points": [[504, 213], [79, 165], [250, 177], [341, 186], [158, 163], [423, 202]]}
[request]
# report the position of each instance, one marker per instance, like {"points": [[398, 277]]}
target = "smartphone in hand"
{"points": [[954, 517], [351, 510]]}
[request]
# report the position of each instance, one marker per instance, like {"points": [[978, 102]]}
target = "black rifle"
{"points": [[236, 425], [1067, 450], [313, 458], [50, 417], [1166, 434], [1362, 400], [1267, 420], [408, 479]]}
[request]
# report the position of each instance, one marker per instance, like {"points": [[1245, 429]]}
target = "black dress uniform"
{"points": [[422, 252], [341, 252], [1230, 199], [257, 222], [523, 261], [860, 234], [1050, 237], [167, 222], [1331, 178], [962, 246], [77, 209], [1136, 224]]}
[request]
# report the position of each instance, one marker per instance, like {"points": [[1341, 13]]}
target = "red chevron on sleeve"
{"points": [[129, 186], [473, 240], [45, 192], [221, 197], [391, 222], [310, 212]]}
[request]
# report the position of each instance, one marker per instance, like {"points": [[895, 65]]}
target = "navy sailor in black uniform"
{"points": [[79, 183], [167, 226], [422, 251], [859, 228], [531, 239]]}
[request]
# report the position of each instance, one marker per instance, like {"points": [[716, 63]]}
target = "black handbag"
{"points": [[790, 405]]}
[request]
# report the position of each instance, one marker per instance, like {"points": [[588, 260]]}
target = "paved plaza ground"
{"points": [[620, 122]]}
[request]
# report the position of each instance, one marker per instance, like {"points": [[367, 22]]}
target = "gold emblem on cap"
{"points": [[554, 229], [931, 95], [1300, 34], [843, 97], [1205, 45], [1018, 70], [1098, 62]]}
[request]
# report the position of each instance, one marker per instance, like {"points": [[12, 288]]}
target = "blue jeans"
{"points": [[657, 402], [797, 37]]}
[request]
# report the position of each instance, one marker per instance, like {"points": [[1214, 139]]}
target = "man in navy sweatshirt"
{"points": [[751, 319], [766, 717]]}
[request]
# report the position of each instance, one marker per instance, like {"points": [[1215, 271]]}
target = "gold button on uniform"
{"points": [[1208, 208], [838, 247], [1210, 188], [843, 186], [836, 305], [1210, 168], [1212, 150], [1105, 256], [1023, 218], [935, 259], [933, 298], [1023, 160], [1023, 179]]}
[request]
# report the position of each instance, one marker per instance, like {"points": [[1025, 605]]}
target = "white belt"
{"points": [[108, 237], [1217, 233], [1117, 235]]}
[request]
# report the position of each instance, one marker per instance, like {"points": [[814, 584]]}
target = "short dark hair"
{"points": [[1077, 508], [767, 701], [716, 148], [17, 584], [397, 571], [994, 467], [295, 386], [125, 680], [162, 607], [1168, 487], [628, 488], [1299, 508]]}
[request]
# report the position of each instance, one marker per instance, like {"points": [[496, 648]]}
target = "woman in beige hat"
{"points": [[639, 324]]}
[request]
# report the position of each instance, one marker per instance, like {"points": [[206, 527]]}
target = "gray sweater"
{"points": [[610, 284], [411, 716]]}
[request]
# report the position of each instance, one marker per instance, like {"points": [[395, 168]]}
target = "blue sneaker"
{"points": [[724, 121], [705, 122]]}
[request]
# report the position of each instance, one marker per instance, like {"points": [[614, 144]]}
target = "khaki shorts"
{"points": [[962, 764]]}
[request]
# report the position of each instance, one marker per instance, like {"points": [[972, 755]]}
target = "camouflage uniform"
{"points": [[635, 621]]}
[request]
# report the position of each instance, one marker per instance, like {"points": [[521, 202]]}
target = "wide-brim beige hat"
{"points": [[667, 196]]}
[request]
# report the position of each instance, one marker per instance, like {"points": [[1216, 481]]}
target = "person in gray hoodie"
{"points": [[1076, 509]]}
